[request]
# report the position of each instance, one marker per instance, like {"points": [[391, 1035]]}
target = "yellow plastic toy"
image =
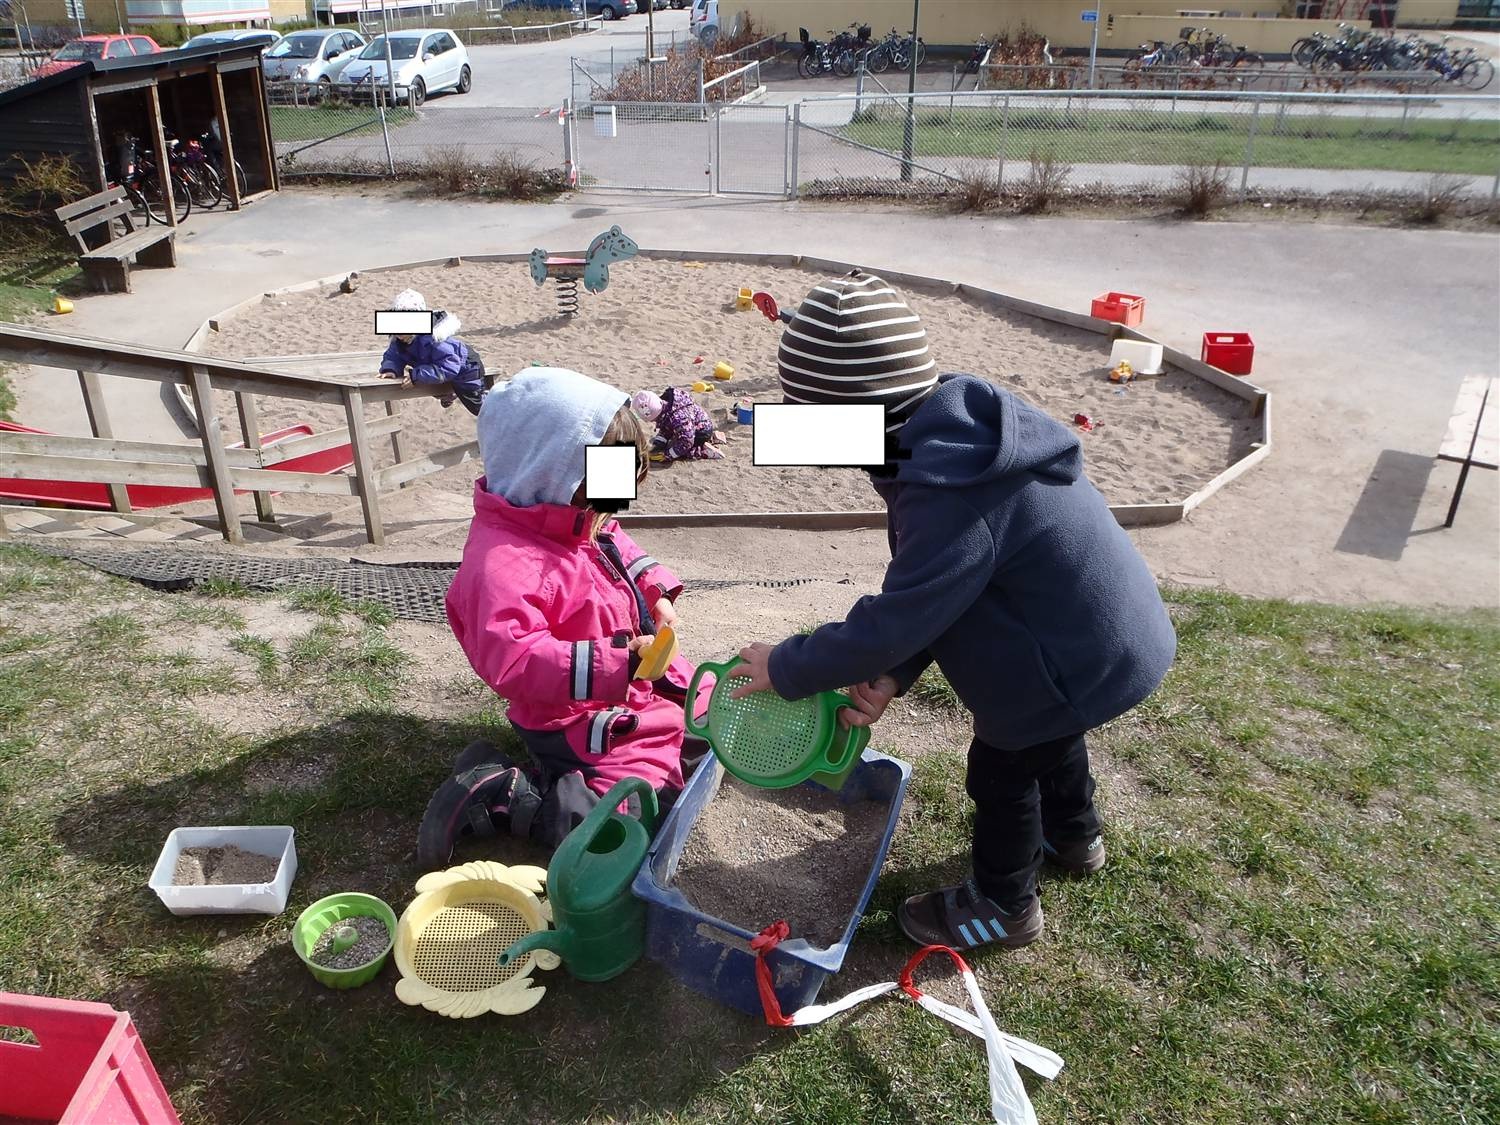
{"points": [[1122, 372], [656, 656], [742, 300], [723, 371], [61, 305], [699, 387], [449, 940]]}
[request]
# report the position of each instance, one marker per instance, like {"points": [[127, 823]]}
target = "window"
{"points": [[119, 49], [351, 42], [440, 45], [142, 45], [1309, 9]]}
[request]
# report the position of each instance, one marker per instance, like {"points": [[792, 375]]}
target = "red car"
{"points": [[97, 47]]}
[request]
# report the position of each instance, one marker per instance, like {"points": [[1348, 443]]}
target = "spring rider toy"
{"points": [[592, 268]]}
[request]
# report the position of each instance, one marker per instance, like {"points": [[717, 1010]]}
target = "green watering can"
{"points": [[600, 927]]}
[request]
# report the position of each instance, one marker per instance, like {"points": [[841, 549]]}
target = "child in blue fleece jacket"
{"points": [[436, 358], [1008, 571]]}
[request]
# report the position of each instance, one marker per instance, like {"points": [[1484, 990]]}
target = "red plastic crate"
{"points": [[87, 1065], [1122, 308], [1233, 352]]}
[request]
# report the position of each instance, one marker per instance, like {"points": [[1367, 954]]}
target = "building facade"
{"points": [[1261, 25], [122, 15]]}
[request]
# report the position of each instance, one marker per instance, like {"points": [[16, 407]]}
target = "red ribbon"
{"points": [[762, 944], [917, 958]]}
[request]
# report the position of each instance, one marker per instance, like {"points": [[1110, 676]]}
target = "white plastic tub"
{"points": [[231, 898], [1144, 358]]}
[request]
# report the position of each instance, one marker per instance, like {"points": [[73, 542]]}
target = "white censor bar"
{"points": [[609, 472], [821, 435], [403, 322]]}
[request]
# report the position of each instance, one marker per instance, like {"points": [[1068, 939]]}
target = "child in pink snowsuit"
{"points": [[552, 603]]}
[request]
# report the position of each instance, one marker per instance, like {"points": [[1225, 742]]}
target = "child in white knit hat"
{"points": [[435, 359]]}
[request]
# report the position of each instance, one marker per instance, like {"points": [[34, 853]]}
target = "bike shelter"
{"points": [[80, 113]]}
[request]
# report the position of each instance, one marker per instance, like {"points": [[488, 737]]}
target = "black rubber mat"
{"points": [[413, 591]]}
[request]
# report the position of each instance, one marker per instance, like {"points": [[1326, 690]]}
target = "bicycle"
{"points": [[204, 184], [137, 170]]}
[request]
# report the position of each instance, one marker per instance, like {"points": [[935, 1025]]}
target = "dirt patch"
{"points": [[756, 855], [219, 867]]}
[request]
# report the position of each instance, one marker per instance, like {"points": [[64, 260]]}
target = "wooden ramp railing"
{"points": [[116, 461]]}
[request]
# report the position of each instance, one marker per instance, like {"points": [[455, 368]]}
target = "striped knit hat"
{"points": [[854, 339]]}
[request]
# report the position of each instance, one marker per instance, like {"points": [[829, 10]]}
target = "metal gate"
{"points": [[664, 146], [645, 146], [751, 145]]}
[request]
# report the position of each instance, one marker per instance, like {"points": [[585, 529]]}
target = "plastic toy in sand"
{"points": [[767, 306], [1122, 372], [684, 431], [592, 268]]}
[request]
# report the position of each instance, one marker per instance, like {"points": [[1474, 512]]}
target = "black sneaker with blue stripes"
{"points": [[964, 918]]}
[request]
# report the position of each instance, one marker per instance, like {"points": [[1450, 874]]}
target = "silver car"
{"points": [[425, 61], [313, 57]]}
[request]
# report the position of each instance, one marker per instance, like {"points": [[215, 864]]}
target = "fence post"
{"points": [[1249, 150], [953, 89], [797, 137], [212, 436], [1405, 109], [570, 169], [366, 480], [250, 430], [859, 87], [390, 161], [1004, 122], [716, 154], [93, 404], [700, 81]]}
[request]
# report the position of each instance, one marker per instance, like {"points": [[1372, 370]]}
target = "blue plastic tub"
{"points": [[713, 956]]}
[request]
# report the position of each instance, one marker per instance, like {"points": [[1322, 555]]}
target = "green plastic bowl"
{"points": [[330, 911]]}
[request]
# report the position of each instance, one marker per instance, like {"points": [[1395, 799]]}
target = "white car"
{"points": [[425, 62], [314, 57], [227, 38]]}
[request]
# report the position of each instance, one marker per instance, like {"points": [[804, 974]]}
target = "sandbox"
{"points": [[1160, 446]]}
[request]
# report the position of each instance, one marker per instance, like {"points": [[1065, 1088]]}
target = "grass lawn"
{"points": [[1296, 923], [1155, 137], [29, 272], [315, 122]]}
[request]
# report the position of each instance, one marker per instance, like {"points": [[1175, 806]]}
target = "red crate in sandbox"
{"points": [[1122, 308], [1232, 352], [87, 1065]]}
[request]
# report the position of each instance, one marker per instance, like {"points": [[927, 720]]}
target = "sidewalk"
{"points": [[1348, 508]]}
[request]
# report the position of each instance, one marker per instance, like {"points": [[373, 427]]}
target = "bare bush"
{"points": [[42, 186], [977, 191], [1439, 197], [1045, 180], [675, 79], [1201, 188]]}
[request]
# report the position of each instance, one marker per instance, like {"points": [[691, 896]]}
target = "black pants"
{"points": [[1019, 796], [471, 396]]}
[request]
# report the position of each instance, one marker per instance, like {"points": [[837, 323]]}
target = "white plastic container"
{"points": [[1144, 358], [230, 898]]}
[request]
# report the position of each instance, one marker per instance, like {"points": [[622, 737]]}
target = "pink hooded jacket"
{"points": [[543, 616]]}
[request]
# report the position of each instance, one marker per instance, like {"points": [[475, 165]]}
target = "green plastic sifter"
{"points": [[771, 742]]}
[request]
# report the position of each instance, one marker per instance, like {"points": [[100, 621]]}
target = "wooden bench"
{"points": [[106, 258], [1473, 436]]}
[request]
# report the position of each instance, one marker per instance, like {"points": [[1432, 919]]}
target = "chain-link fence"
{"points": [[321, 133], [1315, 144], [1075, 75]]}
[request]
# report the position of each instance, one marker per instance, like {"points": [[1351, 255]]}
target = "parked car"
{"points": [[609, 9], [315, 57], [425, 62], [704, 20], [97, 48], [227, 38]]}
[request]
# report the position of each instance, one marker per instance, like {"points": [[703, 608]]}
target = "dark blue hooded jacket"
{"points": [[437, 358], [1008, 570]]}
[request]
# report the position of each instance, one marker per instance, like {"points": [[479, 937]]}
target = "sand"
{"points": [[758, 855], [1161, 437], [218, 867]]}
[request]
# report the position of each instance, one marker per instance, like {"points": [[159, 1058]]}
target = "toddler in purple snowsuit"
{"points": [[684, 431]]}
